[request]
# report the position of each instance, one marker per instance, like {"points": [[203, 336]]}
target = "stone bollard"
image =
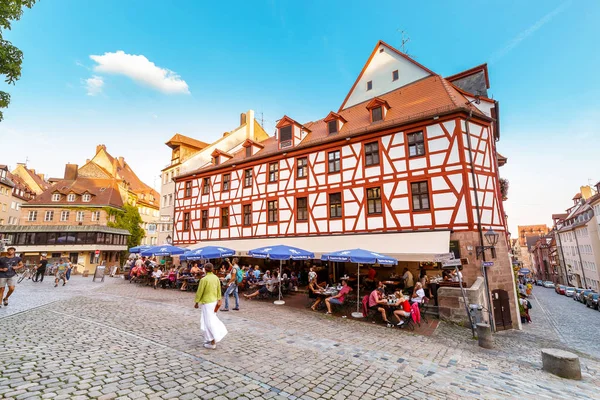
{"points": [[561, 363], [484, 335]]}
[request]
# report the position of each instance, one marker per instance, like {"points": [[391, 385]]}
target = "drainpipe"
{"points": [[580, 260], [562, 258], [476, 187]]}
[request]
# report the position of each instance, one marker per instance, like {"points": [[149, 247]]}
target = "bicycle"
{"points": [[27, 273]]}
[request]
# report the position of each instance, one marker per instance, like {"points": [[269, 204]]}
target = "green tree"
{"points": [[130, 220], [11, 57]]}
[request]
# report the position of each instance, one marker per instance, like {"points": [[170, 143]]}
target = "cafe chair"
{"points": [[423, 308]]}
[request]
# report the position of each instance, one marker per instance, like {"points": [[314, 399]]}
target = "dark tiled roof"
{"points": [[105, 192]]}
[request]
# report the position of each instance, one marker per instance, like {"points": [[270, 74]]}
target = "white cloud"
{"points": [[94, 85], [141, 70]]}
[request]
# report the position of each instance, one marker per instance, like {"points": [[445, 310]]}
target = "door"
{"points": [[73, 257], [501, 309]]}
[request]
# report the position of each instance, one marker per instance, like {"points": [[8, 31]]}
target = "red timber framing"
{"points": [[445, 167]]}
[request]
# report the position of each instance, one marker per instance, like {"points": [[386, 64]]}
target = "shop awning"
{"points": [[408, 246]]}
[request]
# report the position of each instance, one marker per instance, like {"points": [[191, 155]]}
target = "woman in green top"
{"points": [[209, 295]]}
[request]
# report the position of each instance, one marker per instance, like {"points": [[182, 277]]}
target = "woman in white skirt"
{"points": [[209, 295]]}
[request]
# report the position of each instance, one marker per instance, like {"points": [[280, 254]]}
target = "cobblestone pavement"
{"points": [[569, 321], [119, 340]]}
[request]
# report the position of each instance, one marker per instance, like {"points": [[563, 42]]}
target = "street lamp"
{"points": [[492, 239], [169, 239]]}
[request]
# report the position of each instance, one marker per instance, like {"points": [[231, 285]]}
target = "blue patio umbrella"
{"points": [[164, 250], [281, 252], [139, 249], [208, 252], [359, 256], [524, 271]]}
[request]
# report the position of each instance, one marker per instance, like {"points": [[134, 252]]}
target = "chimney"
{"points": [[71, 172], [100, 147], [121, 161], [242, 119], [250, 126], [42, 176]]}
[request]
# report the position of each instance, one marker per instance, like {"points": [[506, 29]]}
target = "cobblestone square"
{"points": [[119, 340]]}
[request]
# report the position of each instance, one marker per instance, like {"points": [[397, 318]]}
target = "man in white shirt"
{"points": [[157, 274]]}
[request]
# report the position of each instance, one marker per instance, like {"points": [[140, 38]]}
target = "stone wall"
{"points": [[500, 275], [452, 304]]}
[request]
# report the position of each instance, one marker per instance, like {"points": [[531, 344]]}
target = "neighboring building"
{"points": [[13, 193], [528, 236], [579, 241], [146, 199], [189, 154], [35, 182], [182, 148], [390, 171], [69, 219], [544, 257]]}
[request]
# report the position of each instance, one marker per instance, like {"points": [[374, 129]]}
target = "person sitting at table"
{"points": [[156, 275], [268, 287], [294, 281], [378, 304], [168, 277], [339, 298], [267, 275], [418, 293], [257, 273], [447, 276], [404, 310], [313, 292], [250, 274], [182, 276]]}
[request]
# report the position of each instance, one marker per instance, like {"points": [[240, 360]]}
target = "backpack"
{"points": [[239, 275], [529, 307]]}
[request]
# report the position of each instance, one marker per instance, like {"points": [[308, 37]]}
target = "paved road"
{"points": [[118, 340], [569, 321]]}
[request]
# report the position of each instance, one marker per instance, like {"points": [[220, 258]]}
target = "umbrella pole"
{"points": [[357, 314], [279, 302]]}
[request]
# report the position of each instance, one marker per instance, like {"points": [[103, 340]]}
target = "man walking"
{"points": [[209, 295], [41, 270], [61, 272], [8, 269], [232, 285]]}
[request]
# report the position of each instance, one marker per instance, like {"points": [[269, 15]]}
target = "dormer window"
{"points": [[86, 198], [249, 151], [395, 75], [378, 109], [56, 197], [216, 160], [332, 127], [335, 122], [376, 114], [285, 136]]}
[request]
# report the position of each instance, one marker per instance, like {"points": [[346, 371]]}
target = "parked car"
{"points": [[548, 284], [539, 282], [569, 291], [591, 300], [578, 292], [560, 289], [584, 294]]}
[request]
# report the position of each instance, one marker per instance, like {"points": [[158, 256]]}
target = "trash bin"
{"points": [[476, 311]]}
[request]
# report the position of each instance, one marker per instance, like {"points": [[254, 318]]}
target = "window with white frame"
{"points": [[18, 206], [56, 197], [13, 205], [86, 198], [49, 216], [64, 216], [71, 197], [79, 216], [32, 216], [95, 215]]}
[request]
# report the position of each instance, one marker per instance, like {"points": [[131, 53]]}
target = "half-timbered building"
{"points": [[406, 166]]}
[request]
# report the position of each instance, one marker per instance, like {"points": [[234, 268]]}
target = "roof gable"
{"points": [[383, 61]]}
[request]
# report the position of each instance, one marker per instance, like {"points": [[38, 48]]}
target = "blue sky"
{"points": [[299, 59]]}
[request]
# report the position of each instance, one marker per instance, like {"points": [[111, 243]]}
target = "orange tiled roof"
{"points": [[429, 96], [179, 138]]}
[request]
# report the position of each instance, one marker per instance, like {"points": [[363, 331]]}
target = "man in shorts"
{"points": [[8, 269], [61, 273]]}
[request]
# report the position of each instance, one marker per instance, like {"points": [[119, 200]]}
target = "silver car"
{"points": [[569, 291], [548, 284]]}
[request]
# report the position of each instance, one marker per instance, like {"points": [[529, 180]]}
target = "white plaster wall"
{"points": [[379, 70]]}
